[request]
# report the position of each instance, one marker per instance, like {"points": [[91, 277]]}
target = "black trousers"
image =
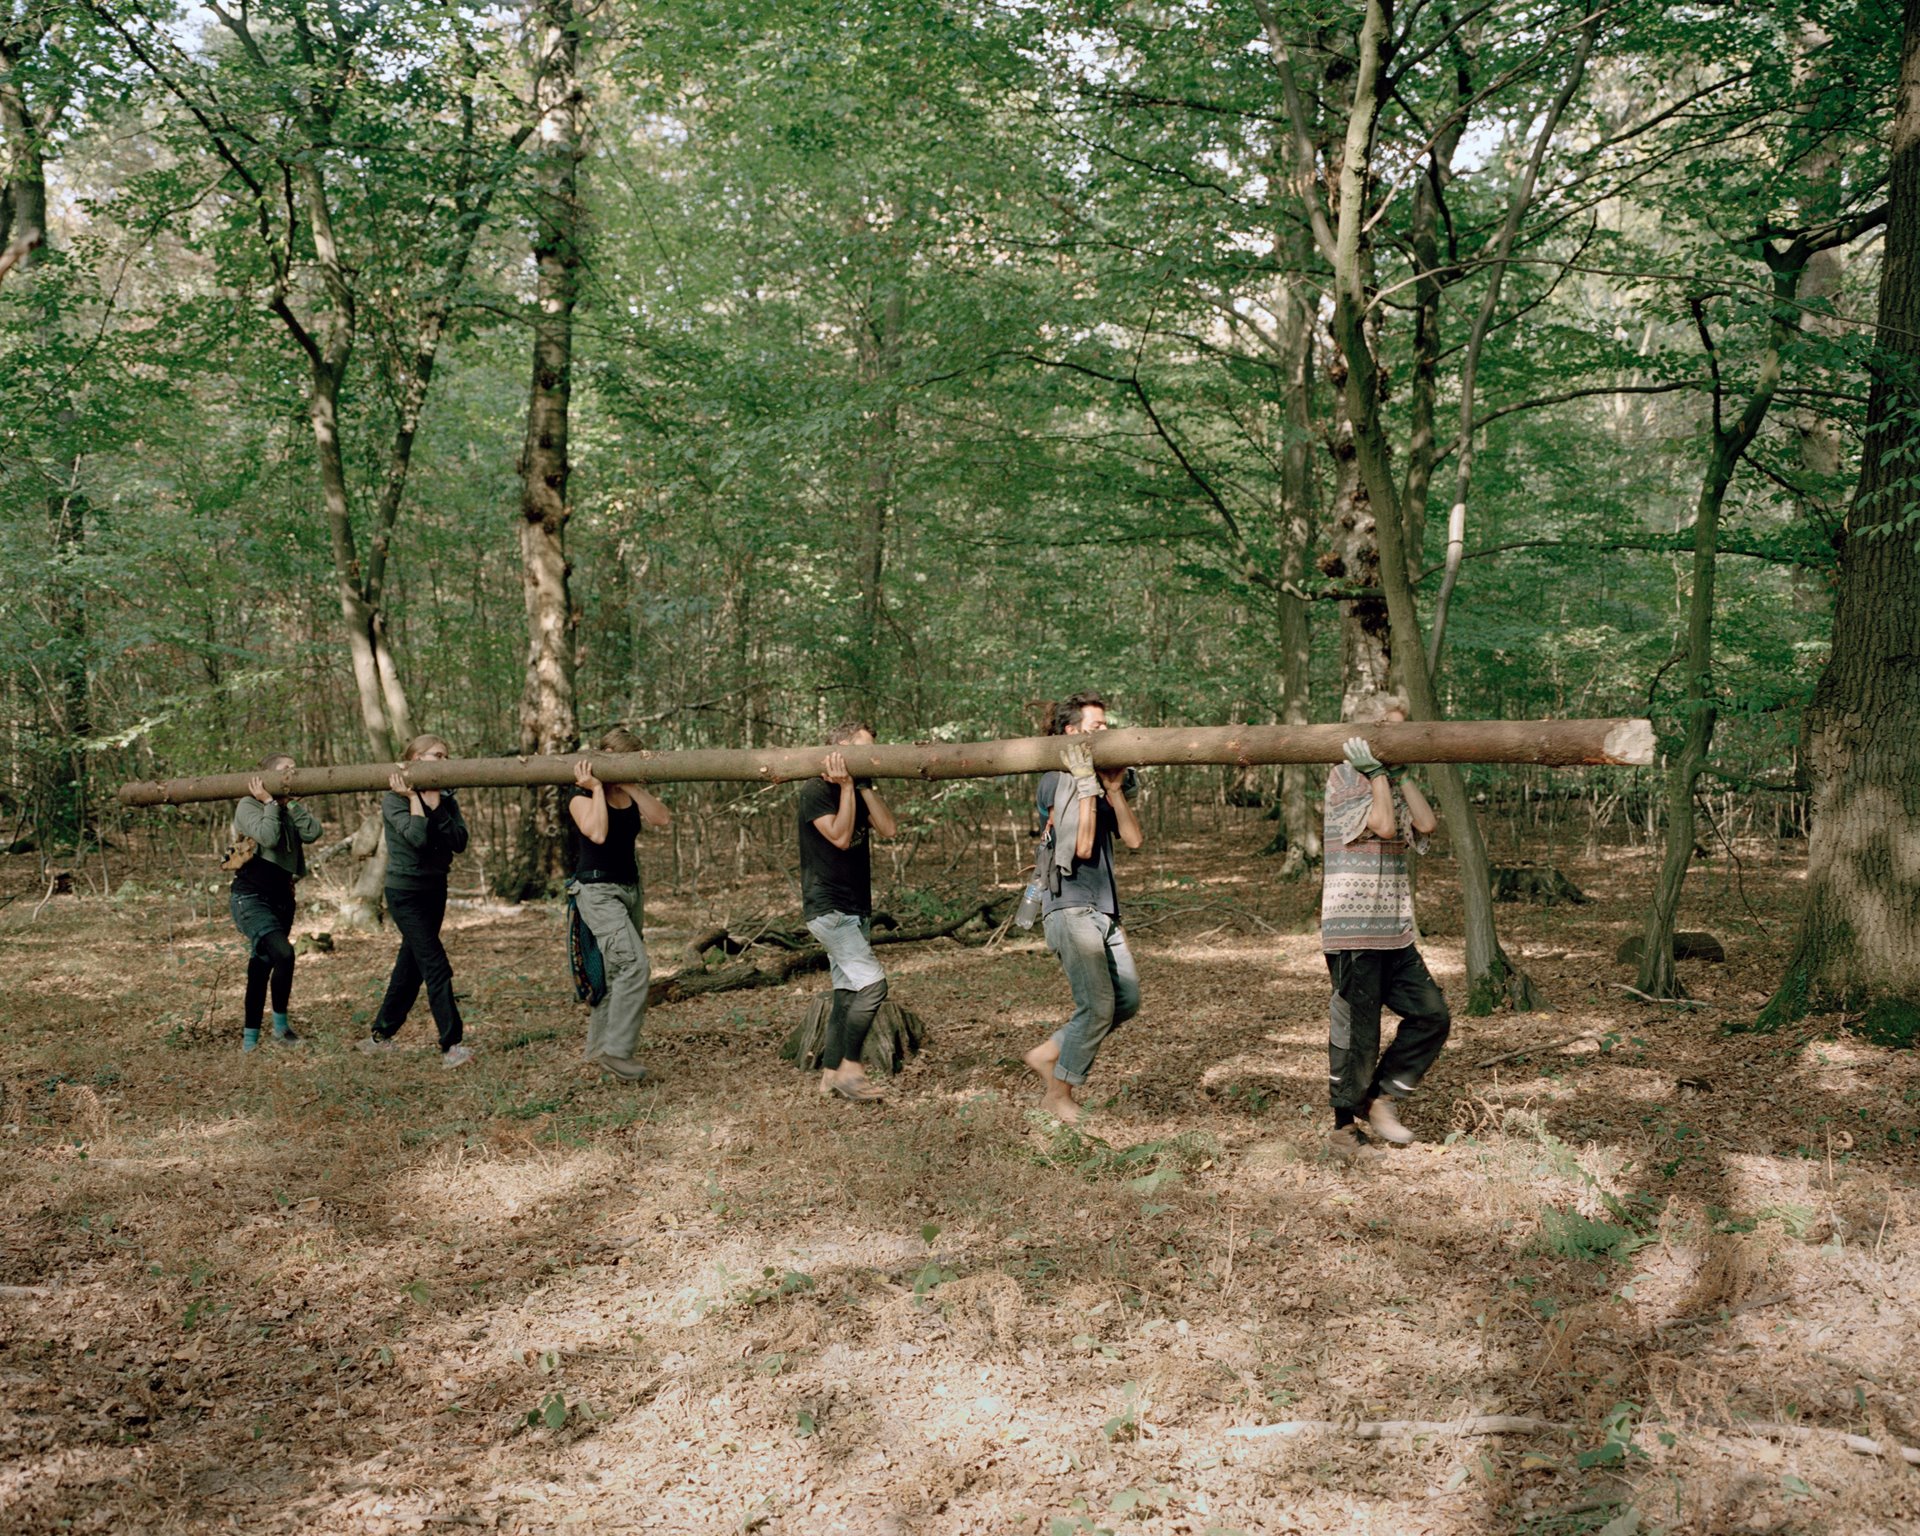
{"points": [[418, 915], [265, 917], [847, 1026], [1364, 982]]}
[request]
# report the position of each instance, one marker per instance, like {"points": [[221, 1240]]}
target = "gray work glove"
{"points": [[1078, 762], [1360, 754]]}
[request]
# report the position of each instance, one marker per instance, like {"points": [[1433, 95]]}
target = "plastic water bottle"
{"points": [[1028, 912]]}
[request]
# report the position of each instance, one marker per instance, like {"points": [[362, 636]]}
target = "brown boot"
{"points": [[1385, 1124], [1348, 1144]]}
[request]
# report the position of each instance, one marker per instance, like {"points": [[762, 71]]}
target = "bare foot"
{"points": [[1058, 1102], [1041, 1059]]}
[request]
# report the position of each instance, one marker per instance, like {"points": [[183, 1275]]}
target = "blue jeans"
{"points": [[1106, 987]]}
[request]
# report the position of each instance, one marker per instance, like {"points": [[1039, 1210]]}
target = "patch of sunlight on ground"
{"points": [[492, 1189], [1758, 1181]]}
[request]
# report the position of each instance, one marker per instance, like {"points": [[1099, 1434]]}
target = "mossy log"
{"points": [[1686, 946], [746, 975], [896, 1035]]}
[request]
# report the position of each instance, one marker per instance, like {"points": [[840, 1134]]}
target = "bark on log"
{"points": [[1550, 743], [896, 1035], [746, 975]]}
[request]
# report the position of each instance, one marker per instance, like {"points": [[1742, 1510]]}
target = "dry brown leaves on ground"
{"points": [[310, 1291]]}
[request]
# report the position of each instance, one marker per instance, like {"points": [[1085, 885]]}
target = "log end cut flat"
{"points": [[1630, 744]]}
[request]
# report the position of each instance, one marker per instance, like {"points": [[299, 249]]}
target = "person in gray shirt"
{"points": [[261, 896], [425, 830], [1081, 909]]}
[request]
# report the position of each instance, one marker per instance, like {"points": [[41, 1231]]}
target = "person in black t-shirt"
{"points": [[836, 813], [605, 887], [1084, 810]]}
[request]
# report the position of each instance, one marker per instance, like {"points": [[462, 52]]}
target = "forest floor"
{"points": [[309, 1290]]}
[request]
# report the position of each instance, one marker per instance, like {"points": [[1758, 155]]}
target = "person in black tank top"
{"points": [[605, 886], [836, 814]]}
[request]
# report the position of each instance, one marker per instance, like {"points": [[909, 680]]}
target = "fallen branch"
{"points": [[1660, 1002], [1231, 907], [1724, 1313], [1534, 1050], [1390, 1429], [1512, 1424], [747, 976], [1860, 1445]]}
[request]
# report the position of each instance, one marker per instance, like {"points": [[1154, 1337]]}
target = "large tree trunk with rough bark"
{"points": [[1492, 979], [1299, 819], [1859, 943], [879, 348], [1550, 743], [547, 720], [62, 807]]}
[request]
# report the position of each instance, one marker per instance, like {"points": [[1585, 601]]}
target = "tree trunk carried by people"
{"points": [[1859, 942], [1549, 743]]}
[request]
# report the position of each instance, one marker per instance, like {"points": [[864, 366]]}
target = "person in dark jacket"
{"points": [[424, 832], [261, 897]]}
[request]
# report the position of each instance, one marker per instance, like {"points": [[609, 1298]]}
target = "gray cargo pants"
{"points": [[612, 914]]}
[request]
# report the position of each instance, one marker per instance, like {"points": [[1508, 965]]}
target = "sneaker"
{"points": [[377, 1045], [1385, 1124], [1349, 1144], [285, 1037], [456, 1056], [620, 1066]]}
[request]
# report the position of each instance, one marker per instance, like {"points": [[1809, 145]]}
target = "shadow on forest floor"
{"points": [[310, 1291]]}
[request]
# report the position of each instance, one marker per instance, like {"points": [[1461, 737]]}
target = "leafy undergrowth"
{"points": [[311, 1291]]}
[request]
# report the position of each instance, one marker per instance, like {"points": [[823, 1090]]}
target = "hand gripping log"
{"points": [[1551, 743]]}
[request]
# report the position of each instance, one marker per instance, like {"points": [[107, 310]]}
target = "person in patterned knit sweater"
{"points": [[1373, 818]]}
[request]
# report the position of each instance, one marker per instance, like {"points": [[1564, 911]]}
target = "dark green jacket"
{"points": [[282, 831], [420, 849]]}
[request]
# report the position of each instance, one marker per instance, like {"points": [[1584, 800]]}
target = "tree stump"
{"points": [[1686, 946], [1541, 884], [896, 1034]]}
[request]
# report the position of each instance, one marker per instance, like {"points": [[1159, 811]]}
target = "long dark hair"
{"points": [[1068, 711]]}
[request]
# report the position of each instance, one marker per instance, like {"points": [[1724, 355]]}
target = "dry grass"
{"points": [[308, 1291]]}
